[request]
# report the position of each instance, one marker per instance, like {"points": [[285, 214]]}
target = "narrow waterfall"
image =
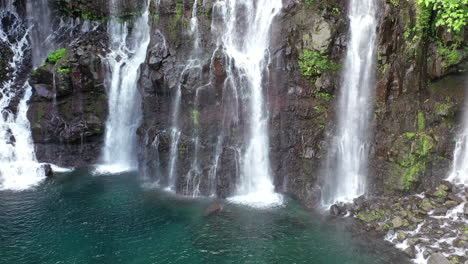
{"points": [[459, 172], [192, 65], [246, 40], [346, 170], [128, 51], [41, 33], [19, 168]]}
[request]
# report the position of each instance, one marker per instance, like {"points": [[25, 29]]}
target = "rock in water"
{"points": [[214, 209], [48, 172], [335, 210], [438, 258], [465, 209]]}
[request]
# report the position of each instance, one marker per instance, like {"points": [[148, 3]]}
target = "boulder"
{"points": [[48, 172], [397, 222], [438, 258], [410, 251], [335, 210]]}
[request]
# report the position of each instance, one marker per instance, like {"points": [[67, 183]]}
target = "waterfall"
{"points": [[19, 168], [41, 33], [192, 65], [347, 162], [128, 44], [245, 39], [459, 172]]}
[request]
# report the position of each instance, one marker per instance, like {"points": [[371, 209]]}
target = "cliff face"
{"points": [[418, 96]]}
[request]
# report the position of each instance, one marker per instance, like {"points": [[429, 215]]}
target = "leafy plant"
{"points": [[450, 13], [56, 56], [313, 63]]}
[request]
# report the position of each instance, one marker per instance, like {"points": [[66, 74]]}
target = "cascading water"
{"points": [[459, 172], [192, 65], [346, 170], [246, 40], [128, 52], [41, 33], [19, 168]]}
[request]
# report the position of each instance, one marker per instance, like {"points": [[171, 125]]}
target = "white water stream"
{"points": [[19, 168], [246, 39], [347, 165], [128, 52]]}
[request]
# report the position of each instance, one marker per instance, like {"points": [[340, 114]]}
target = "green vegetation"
{"points": [[450, 13], [414, 163], [179, 10], [62, 70], [325, 96], [451, 54], [420, 122], [56, 56], [195, 117], [370, 215], [320, 109], [309, 2], [155, 17], [395, 3], [313, 63]]}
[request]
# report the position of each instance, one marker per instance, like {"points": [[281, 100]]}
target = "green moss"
{"points": [[56, 56], [370, 215], [179, 10], [63, 71], [312, 63], [395, 3], [195, 117], [325, 96], [420, 122], [155, 17], [320, 109], [409, 166], [309, 2]]}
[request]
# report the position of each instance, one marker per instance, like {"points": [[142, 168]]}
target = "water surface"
{"points": [[81, 218]]}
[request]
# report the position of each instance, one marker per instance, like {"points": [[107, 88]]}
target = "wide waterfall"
{"points": [[346, 170], [246, 41], [128, 52], [19, 168]]}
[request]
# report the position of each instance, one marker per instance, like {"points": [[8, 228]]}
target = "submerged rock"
{"points": [[214, 209]]}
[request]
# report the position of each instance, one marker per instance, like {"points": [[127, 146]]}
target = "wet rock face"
{"points": [[68, 108], [414, 123]]}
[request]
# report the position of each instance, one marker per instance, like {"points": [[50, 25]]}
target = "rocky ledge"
{"points": [[430, 227]]}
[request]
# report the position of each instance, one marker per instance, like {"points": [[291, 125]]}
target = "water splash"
{"points": [[347, 162], [128, 52]]}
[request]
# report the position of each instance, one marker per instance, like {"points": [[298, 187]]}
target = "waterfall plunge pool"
{"points": [[84, 218]]}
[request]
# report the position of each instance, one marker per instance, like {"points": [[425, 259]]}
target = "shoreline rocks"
{"points": [[432, 225]]}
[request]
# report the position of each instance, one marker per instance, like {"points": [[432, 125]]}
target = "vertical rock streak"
{"points": [[128, 44], [346, 170]]}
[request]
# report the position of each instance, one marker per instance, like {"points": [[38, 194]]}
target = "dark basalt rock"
{"points": [[49, 173], [68, 108]]}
